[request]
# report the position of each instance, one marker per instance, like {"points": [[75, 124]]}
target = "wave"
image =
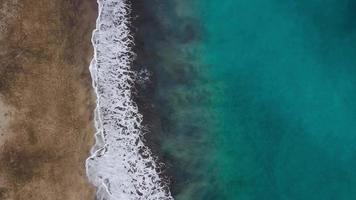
{"points": [[120, 165]]}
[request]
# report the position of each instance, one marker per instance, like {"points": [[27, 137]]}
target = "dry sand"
{"points": [[46, 99]]}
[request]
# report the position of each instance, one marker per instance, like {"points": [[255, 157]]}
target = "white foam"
{"points": [[121, 166]]}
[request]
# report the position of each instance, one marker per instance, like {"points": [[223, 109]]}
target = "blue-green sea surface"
{"points": [[266, 108]]}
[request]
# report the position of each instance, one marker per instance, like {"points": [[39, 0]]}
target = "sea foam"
{"points": [[120, 165]]}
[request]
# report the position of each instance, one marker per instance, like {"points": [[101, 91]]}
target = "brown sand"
{"points": [[46, 99]]}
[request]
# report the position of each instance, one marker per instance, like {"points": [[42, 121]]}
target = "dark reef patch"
{"points": [[162, 38]]}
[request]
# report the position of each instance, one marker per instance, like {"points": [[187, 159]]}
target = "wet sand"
{"points": [[46, 99]]}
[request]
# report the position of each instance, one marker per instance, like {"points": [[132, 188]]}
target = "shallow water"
{"points": [[256, 99]]}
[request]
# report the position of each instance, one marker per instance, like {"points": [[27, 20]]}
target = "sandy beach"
{"points": [[46, 99]]}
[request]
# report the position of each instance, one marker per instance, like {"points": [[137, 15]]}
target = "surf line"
{"points": [[120, 166]]}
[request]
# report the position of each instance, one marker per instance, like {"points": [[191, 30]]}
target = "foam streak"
{"points": [[121, 166]]}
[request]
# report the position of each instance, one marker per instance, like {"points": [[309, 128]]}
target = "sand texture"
{"points": [[46, 99]]}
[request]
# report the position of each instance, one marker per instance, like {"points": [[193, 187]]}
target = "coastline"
{"points": [[46, 91], [120, 166]]}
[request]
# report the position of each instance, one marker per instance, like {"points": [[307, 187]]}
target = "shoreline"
{"points": [[46, 82], [121, 166]]}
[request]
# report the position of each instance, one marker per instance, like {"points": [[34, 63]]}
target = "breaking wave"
{"points": [[120, 165]]}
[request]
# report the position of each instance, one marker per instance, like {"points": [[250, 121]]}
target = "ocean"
{"points": [[240, 99]]}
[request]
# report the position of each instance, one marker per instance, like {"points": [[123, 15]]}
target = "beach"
{"points": [[194, 100], [46, 99]]}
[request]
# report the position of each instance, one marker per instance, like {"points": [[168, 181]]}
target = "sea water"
{"points": [[256, 98]]}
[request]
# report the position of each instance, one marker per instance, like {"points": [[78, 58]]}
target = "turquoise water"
{"points": [[257, 98]]}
